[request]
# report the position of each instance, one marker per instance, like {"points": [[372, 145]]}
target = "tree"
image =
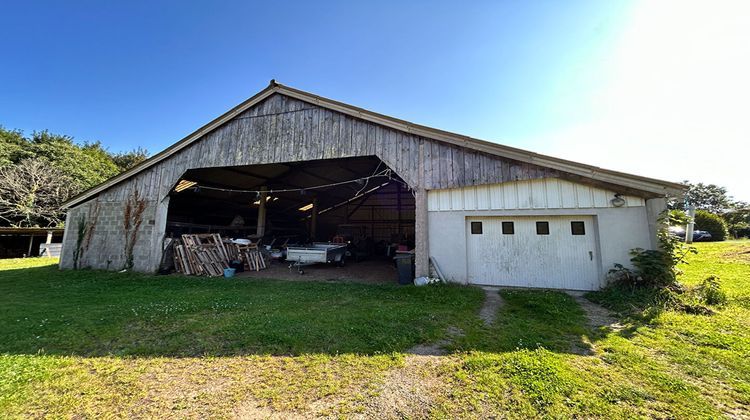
{"points": [[87, 165], [13, 147], [127, 160], [738, 219], [80, 165], [712, 223], [32, 192], [708, 197]]}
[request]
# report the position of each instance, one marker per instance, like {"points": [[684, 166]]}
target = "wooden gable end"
{"points": [[283, 129]]}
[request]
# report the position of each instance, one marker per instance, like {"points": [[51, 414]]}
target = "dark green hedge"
{"points": [[712, 223]]}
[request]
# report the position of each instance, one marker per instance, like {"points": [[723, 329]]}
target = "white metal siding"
{"points": [[559, 260], [547, 193]]}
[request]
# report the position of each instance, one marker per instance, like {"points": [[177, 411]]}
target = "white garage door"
{"points": [[556, 252]]}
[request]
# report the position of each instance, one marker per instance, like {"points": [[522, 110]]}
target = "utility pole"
{"points": [[690, 225]]}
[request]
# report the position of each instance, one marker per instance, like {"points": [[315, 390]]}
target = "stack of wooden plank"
{"points": [[233, 250], [249, 254], [200, 255], [253, 259], [209, 254]]}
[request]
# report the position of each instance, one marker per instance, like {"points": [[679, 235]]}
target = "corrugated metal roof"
{"points": [[29, 230]]}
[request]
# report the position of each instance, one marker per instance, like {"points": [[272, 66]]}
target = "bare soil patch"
{"points": [[742, 254], [409, 391], [597, 316], [374, 271], [438, 347], [492, 304]]}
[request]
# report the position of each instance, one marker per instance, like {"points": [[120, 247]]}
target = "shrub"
{"points": [[739, 230], [677, 218], [712, 223], [656, 268], [653, 267], [742, 233], [709, 292], [623, 275]]}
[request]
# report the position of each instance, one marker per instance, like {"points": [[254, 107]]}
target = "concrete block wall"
{"points": [[106, 249]]}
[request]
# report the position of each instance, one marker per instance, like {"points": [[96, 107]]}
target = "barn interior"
{"points": [[358, 201]]}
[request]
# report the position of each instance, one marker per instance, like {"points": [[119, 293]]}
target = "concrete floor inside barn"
{"points": [[377, 270]]}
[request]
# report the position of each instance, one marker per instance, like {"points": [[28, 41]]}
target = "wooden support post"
{"points": [[48, 242], [422, 254], [158, 233], [314, 220], [398, 206], [31, 244], [261, 227]]}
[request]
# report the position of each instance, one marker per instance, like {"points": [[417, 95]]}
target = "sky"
{"points": [[654, 88]]}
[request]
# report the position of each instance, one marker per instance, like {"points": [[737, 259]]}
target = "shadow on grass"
{"points": [[99, 313], [531, 319]]}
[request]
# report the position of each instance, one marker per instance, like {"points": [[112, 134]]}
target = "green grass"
{"points": [[668, 364], [529, 320], [109, 332], [94, 313], [94, 344]]}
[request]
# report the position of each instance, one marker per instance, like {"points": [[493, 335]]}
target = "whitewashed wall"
{"points": [[547, 193], [618, 230]]}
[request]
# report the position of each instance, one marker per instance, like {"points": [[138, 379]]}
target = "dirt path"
{"points": [[492, 303], [488, 313], [438, 347], [408, 392], [597, 315]]}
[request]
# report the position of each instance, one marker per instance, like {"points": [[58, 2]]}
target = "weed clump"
{"points": [[652, 282]]}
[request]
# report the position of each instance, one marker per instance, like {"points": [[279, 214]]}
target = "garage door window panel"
{"points": [[508, 228], [542, 228], [476, 228], [577, 228]]}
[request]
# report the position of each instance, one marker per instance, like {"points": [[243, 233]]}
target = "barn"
{"points": [[290, 164]]}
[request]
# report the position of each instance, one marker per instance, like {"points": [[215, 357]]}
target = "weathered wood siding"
{"points": [[283, 129]]}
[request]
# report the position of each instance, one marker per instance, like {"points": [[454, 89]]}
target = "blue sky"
{"points": [[592, 81]]}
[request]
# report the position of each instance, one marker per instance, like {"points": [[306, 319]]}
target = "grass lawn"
{"points": [[92, 343]]}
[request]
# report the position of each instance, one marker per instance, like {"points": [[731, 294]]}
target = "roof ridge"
{"points": [[645, 184]]}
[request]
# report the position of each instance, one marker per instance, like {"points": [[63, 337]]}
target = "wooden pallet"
{"points": [[209, 255], [202, 255], [250, 255]]}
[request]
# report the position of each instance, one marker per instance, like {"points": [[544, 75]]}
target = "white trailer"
{"points": [[318, 253]]}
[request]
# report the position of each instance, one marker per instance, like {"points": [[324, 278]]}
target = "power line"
{"points": [[387, 173]]}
